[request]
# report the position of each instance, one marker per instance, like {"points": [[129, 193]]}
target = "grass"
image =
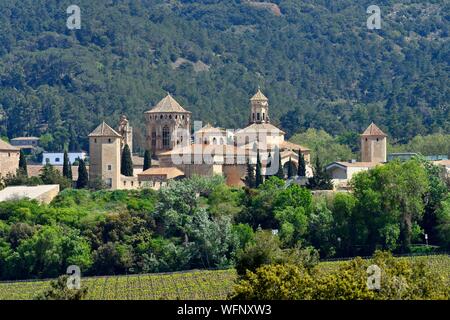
{"points": [[192, 285]]}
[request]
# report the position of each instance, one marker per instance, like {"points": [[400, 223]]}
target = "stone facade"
{"points": [[214, 151], [9, 158], [373, 145], [104, 151], [168, 126], [126, 131]]}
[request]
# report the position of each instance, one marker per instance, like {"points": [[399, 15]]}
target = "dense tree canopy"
{"points": [[316, 61]]}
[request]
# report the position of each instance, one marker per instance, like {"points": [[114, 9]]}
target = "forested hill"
{"points": [[315, 59]]}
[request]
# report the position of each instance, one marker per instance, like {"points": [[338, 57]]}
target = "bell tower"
{"points": [[259, 108]]}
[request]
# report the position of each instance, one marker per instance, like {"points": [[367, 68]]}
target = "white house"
{"points": [[342, 172], [57, 158]]}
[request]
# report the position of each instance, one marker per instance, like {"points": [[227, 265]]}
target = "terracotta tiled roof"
{"points": [[169, 172], [293, 146], [259, 96], [103, 130], [218, 149], [355, 164], [445, 163], [210, 128], [5, 146], [373, 130], [168, 104], [260, 127]]}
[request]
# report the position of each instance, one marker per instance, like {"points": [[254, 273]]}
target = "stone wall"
{"points": [[9, 162]]}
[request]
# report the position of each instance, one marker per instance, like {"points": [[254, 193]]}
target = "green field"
{"points": [[192, 285]]}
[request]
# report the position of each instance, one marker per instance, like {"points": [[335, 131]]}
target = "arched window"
{"points": [[214, 141], [257, 116], [264, 116], [166, 137]]}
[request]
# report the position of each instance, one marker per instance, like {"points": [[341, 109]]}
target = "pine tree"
{"points": [[280, 172], [301, 164], [126, 164], [259, 177], [250, 178], [147, 160], [83, 178], [23, 164], [320, 180], [67, 167], [290, 171]]}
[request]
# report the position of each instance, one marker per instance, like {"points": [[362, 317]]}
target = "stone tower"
{"points": [[126, 131], [104, 155], [373, 144], [259, 108], [168, 126]]}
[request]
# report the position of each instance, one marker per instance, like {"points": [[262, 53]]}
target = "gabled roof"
{"points": [[373, 130], [260, 127], [103, 130], [168, 104], [5, 146], [210, 128], [344, 164], [259, 96], [169, 172]]}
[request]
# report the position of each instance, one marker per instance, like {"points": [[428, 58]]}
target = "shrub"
{"points": [[59, 291], [401, 278]]}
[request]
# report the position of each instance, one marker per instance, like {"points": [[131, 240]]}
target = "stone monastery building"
{"points": [[179, 153]]}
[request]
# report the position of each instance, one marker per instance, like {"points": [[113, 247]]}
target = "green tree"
{"points": [[83, 178], [147, 160], [320, 179], [50, 175], [126, 164], [250, 180], [290, 172], [280, 172], [259, 177], [67, 167], [301, 164], [324, 145], [23, 164], [401, 205]]}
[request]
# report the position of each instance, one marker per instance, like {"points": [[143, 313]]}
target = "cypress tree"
{"points": [[269, 164], [250, 178], [67, 168], [280, 172], [301, 164], [83, 178], [290, 171], [23, 163], [147, 160], [259, 178], [320, 180], [126, 164]]}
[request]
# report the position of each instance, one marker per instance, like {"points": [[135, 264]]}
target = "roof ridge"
{"points": [[104, 130], [167, 104], [373, 130]]}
